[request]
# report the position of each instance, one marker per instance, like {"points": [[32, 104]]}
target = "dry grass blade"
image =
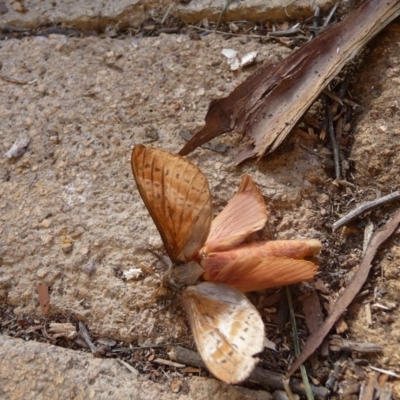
{"points": [[304, 376], [315, 340]]}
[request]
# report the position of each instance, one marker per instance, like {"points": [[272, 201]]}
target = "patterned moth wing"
{"points": [[262, 265], [244, 214], [178, 198], [227, 329], [247, 273]]}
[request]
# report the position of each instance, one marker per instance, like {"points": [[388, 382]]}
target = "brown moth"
{"points": [[227, 328]]}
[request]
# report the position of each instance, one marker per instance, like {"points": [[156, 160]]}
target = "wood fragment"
{"points": [[312, 311], [368, 314], [369, 389], [270, 102], [386, 392], [385, 371], [286, 32], [83, 332], [34, 328], [341, 325], [217, 147], [365, 207], [329, 17], [320, 286], [129, 367], [190, 370], [263, 377], [358, 280], [368, 232], [168, 362], [66, 330], [337, 343], [44, 298]]}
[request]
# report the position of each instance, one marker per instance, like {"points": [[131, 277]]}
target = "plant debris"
{"points": [[359, 278], [268, 104], [44, 298]]}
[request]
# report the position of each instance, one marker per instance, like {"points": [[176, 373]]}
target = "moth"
{"points": [[210, 266]]}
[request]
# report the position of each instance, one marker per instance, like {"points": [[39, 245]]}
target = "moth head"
{"points": [[179, 276]]}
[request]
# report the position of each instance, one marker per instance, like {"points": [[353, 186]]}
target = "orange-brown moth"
{"points": [[210, 265]]}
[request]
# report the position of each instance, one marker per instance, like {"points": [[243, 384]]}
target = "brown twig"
{"points": [[231, 33], [259, 375], [337, 343], [365, 207], [335, 145], [222, 13], [83, 332], [359, 278]]}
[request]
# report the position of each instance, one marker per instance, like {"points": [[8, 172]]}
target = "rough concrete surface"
{"points": [[71, 216], [80, 14], [74, 184], [98, 14], [41, 371], [255, 10]]}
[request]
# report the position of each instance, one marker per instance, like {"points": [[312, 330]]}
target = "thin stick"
{"points": [[337, 343], [385, 371], [342, 303], [303, 371], [291, 31], [83, 332], [335, 146], [222, 13], [262, 376], [151, 346], [329, 17], [365, 207], [228, 33], [129, 367], [167, 13]]}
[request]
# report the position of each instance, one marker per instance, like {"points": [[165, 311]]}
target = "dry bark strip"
{"points": [[315, 340], [268, 104], [44, 298]]}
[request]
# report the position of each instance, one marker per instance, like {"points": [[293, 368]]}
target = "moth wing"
{"points": [[178, 198], [227, 329], [247, 273], [244, 214], [294, 248]]}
